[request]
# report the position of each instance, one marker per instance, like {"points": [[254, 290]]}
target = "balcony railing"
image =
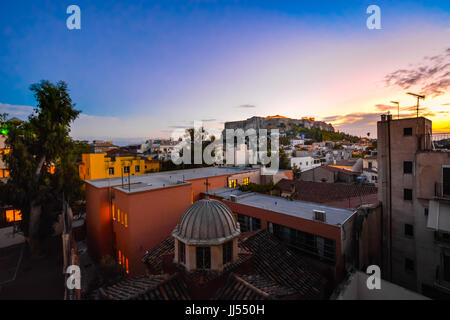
{"points": [[442, 190], [441, 140]]}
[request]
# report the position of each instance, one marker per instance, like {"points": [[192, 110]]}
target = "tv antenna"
{"points": [[418, 96], [207, 184], [398, 108]]}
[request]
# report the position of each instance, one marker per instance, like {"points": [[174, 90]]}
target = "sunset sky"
{"points": [[141, 69]]}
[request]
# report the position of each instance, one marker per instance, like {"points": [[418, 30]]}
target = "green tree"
{"points": [[42, 162], [284, 160]]}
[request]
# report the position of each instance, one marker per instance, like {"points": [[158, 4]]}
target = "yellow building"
{"points": [[101, 165]]}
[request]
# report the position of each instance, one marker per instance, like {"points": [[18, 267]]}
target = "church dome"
{"points": [[207, 222]]}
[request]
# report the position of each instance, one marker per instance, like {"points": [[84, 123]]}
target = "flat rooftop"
{"points": [[151, 181], [301, 209]]}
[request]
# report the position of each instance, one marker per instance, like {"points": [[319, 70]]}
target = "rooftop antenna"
{"points": [[207, 189], [398, 108], [418, 96]]}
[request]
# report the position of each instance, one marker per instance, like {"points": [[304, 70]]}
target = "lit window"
{"points": [[246, 181], [232, 183], [118, 215], [13, 215], [128, 270], [126, 220], [121, 217], [113, 212], [123, 259], [120, 257]]}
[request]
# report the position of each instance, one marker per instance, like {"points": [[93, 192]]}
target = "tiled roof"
{"points": [[155, 287], [277, 272], [328, 193], [251, 287], [153, 258], [276, 262]]}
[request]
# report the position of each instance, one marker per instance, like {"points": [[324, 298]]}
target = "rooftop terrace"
{"points": [[300, 209]]}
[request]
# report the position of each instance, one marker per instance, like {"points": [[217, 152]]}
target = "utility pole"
{"points": [[418, 96], [398, 108]]}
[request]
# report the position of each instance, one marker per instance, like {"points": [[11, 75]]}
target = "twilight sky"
{"points": [[141, 69]]}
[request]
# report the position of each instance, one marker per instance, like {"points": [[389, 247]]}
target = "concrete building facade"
{"points": [[413, 184]]}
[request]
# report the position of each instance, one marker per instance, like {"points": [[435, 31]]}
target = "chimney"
{"points": [[383, 117]]}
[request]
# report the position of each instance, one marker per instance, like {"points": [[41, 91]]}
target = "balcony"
{"points": [[439, 215], [441, 140], [442, 190]]}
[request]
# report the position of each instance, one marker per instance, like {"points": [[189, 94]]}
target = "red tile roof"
{"points": [[330, 193], [277, 272]]}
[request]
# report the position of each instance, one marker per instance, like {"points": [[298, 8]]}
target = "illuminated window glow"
{"points": [[246, 181], [13, 215], [232, 183]]}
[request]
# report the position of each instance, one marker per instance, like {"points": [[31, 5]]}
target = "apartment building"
{"points": [[114, 164], [414, 188], [333, 238]]}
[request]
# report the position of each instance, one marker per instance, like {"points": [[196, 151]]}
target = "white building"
{"points": [[305, 163]]}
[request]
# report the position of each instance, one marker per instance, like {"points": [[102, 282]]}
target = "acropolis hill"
{"points": [[277, 122]]}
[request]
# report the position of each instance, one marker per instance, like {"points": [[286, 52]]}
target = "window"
{"points": [[425, 212], [13, 216], [121, 216], [407, 194], [118, 215], [446, 182], [318, 247], [245, 181], [111, 171], [113, 213], [203, 257], [247, 223], [181, 252], [407, 167], [137, 169], [447, 268], [126, 267], [232, 183], [227, 252], [409, 230], [374, 178], [370, 164], [319, 215], [125, 220], [407, 131], [126, 169], [120, 257], [409, 265]]}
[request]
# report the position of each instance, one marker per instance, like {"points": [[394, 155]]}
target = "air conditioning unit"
{"points": [[319, 215]]}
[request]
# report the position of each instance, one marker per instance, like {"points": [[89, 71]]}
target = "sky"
{"points": [[140, 69]]}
